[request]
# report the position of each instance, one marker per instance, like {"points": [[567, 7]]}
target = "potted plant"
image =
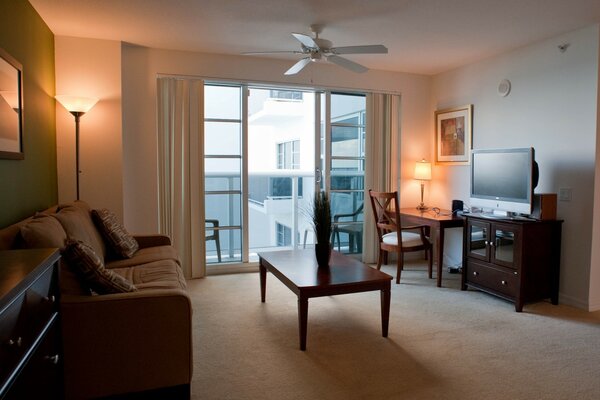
{"points": [[321, 219]]}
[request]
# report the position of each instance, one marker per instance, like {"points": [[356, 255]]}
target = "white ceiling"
{"points": [[423, 36]]}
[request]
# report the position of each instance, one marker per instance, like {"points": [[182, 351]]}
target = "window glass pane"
{"points": [[222, 167], [221, 183], [344, 106], [222, 138], [347, 182], [222, 102], [342, 166], [223, 207], [229, 243], [346, 141]]}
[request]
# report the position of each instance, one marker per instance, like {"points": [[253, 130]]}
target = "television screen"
{"points": [[503, 179]]}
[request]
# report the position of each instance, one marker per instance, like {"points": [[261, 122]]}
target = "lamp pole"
{"points": [[77, 106], [77, 115]]}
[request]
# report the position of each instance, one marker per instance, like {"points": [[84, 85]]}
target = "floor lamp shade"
{"points": [[77, 106], [76, 103]]}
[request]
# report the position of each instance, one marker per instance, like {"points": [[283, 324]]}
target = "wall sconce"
{"points": [[422, 173], [77, 106]]}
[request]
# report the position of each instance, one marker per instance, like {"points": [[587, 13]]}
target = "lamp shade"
{"points": [[423, 170], [76, 103]]}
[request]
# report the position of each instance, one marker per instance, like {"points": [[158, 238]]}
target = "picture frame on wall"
{"points": [[11, 107], [453, 135]]}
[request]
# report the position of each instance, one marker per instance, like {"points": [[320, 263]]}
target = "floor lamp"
{"points": [[77, 106], [422, 173]]}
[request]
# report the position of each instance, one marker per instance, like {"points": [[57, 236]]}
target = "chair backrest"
{"points": [[386, 212]]}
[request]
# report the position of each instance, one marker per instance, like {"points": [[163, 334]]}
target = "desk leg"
{"points": [[440, 254], [263, 281], [302, 320], [385, 310]]}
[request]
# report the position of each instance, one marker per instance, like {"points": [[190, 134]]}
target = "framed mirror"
{"points": [[11, 107]]}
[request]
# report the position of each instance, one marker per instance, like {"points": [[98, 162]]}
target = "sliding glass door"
{"points": [[267, 149]]}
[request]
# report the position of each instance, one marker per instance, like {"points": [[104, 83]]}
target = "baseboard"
{"points": [[572, 301], [594, 307]]}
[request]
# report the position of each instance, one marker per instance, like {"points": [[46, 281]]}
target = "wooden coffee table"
{"points": [[297, 269]]}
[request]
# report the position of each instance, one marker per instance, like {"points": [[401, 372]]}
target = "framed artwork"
{"points": [[453, 135], [11, 107]]}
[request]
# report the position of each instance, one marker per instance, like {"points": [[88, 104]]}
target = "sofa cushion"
{"points": [[78, 225], [146, 255], [42, 231], [115, 234], [163, 274], [90, 267]]}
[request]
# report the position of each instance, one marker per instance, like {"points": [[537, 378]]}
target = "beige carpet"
{"points": [[443, 344]]}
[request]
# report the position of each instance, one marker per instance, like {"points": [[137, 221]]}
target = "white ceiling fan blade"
{"points": [[298, 66], [251, 53], [344, 62], [367, 49], [306, 40]]}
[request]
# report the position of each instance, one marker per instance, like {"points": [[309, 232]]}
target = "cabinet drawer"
{"points": [[497, 280], [24, 319], [41, 377]]}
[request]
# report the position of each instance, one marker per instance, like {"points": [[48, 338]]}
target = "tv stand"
{"points": [[515, 259]]}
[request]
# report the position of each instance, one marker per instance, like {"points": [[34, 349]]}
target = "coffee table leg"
{"points": [[263, 281], [385, 310], [302, 320]]}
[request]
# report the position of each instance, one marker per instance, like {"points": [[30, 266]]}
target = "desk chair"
{"points": [[354, 231], [214, 223], [386, 210]]}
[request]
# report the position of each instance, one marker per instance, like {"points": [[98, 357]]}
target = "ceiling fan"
{"points": [[316, 48]]}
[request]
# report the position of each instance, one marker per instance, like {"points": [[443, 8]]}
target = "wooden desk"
{"points": [[438, 223], [298, 270]]}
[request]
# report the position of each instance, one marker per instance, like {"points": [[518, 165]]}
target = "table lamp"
{"points": [[77, 106], [422, 173]]}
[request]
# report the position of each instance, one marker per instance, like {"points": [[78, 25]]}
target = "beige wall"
{"points": [[594, 302], [90, 68], [552, 107], [140, 69]]}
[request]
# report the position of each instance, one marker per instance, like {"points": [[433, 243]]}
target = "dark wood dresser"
{"points": [[30, 345], [518, 260]]}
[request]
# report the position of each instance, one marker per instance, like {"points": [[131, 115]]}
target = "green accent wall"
{"points": [[30, 185]]}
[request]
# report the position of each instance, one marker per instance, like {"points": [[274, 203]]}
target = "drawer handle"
{"points": [[52, 359], [16, 343], [50, 299], [504, 283], [475, 273]]}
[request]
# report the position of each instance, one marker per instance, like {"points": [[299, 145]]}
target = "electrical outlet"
{"points": [[565, 194]]}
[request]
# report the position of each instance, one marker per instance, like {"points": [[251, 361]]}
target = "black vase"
{"points": [[323, 253]]}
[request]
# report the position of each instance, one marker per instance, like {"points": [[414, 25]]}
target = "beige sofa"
{"points": [[117, 343]]}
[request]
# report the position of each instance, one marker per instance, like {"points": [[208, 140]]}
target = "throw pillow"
{"points": [[90, 268], [77, 223], [43, 231], [114, 233]]}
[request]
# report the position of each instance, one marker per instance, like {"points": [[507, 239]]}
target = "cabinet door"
{"points": [[505, 244], [478, 237]]}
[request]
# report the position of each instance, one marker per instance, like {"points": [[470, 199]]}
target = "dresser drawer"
{"points": [[24, 319], [494, 279], [41, 377]]}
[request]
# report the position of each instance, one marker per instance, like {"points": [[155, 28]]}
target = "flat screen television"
{"points": [[502, 180]]}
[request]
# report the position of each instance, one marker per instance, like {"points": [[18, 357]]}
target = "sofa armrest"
{"points": [[152, 240], [126, 342]]}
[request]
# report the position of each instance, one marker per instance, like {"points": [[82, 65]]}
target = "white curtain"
{"points": [[180, 150], [382, 147]]}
